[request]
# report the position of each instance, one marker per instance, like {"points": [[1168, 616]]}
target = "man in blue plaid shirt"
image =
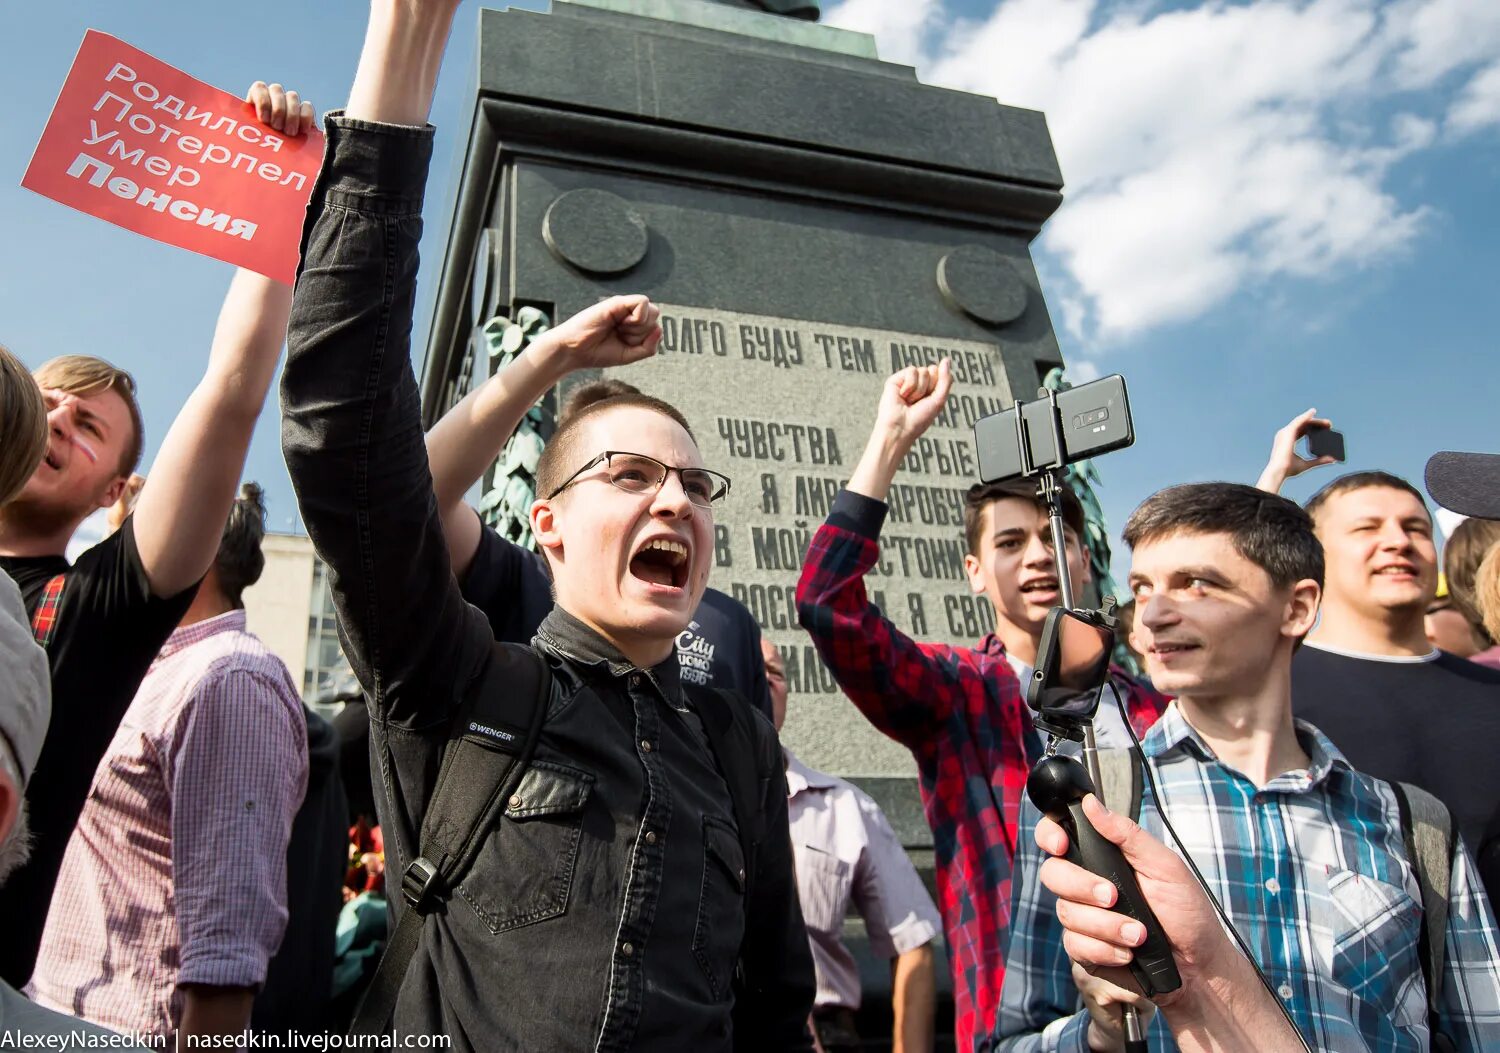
{"points": [[1306, 855]]}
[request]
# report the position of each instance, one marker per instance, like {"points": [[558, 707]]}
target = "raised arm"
{"points": [[898, 686], [180, 513], [351, 429], [615, 332], [1285, 462]]}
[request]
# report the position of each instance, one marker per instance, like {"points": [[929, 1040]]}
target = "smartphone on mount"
{"points": [[1095, 419]]}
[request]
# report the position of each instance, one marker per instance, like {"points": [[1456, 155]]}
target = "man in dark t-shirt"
{"points": [[1368, 677], [103, 618]]}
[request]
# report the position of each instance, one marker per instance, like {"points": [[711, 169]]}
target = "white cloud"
{"points": [[1479, 103], [1081, 371], [899, 25], [1208, 150]]}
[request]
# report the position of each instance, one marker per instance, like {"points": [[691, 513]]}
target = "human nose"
{"points": [[672, 499], [1038, 551], [1155, 611], [1393, 536]]}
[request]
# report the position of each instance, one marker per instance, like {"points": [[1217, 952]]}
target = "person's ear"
{"points": [[544, 526], [114, 491], [975, 571], [1301, 609]]}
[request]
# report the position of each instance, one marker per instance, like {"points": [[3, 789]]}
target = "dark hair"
{"points": [[982, 495], [585, 395], [1470, 542], [1362, 481], [1269, 531], [559, 455], [240, 560]]}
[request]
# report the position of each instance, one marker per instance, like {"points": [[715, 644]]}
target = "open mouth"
{"points": [[52, 460], [1040, 590], [1397, 570], [662, 562]]}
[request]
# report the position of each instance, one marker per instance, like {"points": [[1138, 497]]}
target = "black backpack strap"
{"points": [[490, 746], [1427, 828]]}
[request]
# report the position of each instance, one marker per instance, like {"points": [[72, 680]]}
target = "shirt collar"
{"points": [[571, 638], [800, 777], [1173, 732], [187, 635]]}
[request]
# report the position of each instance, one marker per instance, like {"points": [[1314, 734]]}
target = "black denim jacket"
{"points": [[608, 910]]}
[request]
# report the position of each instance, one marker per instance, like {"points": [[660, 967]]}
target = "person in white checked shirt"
{"points": [[846, 852], [1305, 853], [172, 895]]}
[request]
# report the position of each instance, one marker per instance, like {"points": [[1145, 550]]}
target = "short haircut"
{"points": [[585, 395], [1269, 531], [85, 375], [1470, 542], [240, 560], [23, 426], [560, 455], [1362, 481], [981, 495]]}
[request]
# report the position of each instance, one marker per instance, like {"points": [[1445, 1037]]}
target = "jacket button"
{"points": [[516, 801], [627, 949], [645, 745], [742, 875], [650, 837]]}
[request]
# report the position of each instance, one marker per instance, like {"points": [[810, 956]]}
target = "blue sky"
{"points": [[1270, 206]]}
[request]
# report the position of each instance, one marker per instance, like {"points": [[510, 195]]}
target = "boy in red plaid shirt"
{"points": [[961, 711]]}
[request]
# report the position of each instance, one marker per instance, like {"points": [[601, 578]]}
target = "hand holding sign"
{"points": [[283, 110], [145, 146]]}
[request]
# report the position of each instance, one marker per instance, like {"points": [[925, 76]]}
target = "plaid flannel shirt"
{"points": [[1312, 869], [961, 713]]}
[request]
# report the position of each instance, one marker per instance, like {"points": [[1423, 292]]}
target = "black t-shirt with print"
{"points": [[108, 630]]}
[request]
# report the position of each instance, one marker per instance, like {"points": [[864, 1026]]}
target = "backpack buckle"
{"points": [[419, 885]]}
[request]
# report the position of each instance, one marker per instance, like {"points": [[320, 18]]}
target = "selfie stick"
{"points": [[1054, 785]]}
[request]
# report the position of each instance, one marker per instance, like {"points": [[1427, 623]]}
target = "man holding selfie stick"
{"points": [[1308, 856], [959, 710]]}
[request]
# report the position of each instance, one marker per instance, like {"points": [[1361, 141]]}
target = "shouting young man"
{"points": [[104, 618], [636, 891], [960, 711], [1306, 853]]}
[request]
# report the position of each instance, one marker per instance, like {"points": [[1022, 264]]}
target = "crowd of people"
{"points": [[587, 830]]}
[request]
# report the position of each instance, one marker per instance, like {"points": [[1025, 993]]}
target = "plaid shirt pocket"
{"points": [[1365, 932]]}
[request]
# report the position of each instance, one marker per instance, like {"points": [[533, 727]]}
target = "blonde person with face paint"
{"points": [[960, 710], [636, 891], [103, 618]]}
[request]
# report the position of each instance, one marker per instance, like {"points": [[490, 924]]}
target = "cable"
{"points": [[1161, 809]]}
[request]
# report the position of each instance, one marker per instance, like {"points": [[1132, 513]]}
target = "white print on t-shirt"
{"points": [[695, 656]]}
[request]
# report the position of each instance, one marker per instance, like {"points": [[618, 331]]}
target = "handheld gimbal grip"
{"points": [[1057, 786]]}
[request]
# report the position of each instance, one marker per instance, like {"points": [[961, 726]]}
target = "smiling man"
{"points": [[1306, 853], [1398, 707], [636, 890], [103, 618], [960, 710]]}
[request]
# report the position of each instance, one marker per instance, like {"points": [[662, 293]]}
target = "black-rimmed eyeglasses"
{"points": [[636, 473]]}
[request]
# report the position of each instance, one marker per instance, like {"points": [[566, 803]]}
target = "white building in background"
{"points": [[291, 611]]}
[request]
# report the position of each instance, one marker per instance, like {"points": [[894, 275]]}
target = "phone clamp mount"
{"points": [[1072, 666]]}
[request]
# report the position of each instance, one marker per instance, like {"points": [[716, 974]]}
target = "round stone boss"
{"points": [[983, 284], [595, 231]]}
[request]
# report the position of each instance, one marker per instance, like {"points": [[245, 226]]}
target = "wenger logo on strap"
{"points": [[505, 737]]}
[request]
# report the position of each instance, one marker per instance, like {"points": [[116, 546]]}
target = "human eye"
{"points": [[699, 486]]}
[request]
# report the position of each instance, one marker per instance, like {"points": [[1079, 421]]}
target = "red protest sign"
{"points": [[145, 146]]}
